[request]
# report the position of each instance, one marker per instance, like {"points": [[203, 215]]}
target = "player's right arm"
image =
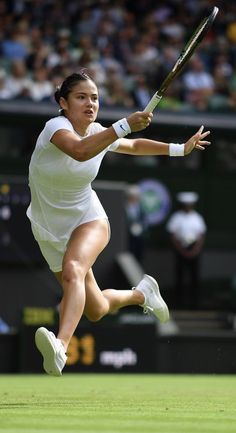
{"points": [[83, 149]]}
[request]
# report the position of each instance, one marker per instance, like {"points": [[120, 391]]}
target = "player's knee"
{"points": [[72, 271]]}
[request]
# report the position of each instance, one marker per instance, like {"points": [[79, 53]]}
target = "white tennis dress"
{"points": [[61, 194]]}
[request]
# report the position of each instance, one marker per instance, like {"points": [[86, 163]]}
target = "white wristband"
{"points": [[121, 128], [176, 149]]}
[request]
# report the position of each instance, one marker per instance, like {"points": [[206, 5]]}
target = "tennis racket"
{"points": [[185, 55]]}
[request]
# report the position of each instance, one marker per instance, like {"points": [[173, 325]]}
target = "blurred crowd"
{"points": [[128, 47]]}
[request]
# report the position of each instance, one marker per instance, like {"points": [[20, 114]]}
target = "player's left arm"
{"points": [[144, 146]]}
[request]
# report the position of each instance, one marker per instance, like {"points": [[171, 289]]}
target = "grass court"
{"points": [[118, 403]]}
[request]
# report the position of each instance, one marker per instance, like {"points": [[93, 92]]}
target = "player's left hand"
{"points": [[197, 141]]}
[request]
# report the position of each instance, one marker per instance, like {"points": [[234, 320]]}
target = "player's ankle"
{"points": [[64, 343], [139, 296]]}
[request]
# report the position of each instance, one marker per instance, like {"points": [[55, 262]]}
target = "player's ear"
{"points": [[63, 103]]}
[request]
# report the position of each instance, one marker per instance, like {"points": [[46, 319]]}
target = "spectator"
{"points": [[39, 50], [41, 88], [108, 60], [172, 29], [221, 73], [198, 84], [117, 93], [13, 47], [141, 92], [143, 56], [63, 52], [18, 82]]}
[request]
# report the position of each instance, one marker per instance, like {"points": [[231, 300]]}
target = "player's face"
{"points": [[82, 103]]}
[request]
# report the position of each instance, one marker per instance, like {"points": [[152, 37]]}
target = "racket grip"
{"points": [[152, 103]]}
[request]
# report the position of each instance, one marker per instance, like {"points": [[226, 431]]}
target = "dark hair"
{"points": [[68, 84]]}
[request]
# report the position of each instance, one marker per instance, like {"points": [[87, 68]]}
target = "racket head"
{"points": [[197, 37]]}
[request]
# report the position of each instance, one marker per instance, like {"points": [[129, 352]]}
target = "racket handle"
{"points": [[152, 103]]}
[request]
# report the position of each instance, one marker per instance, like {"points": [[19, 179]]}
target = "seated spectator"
{"points": [[221, 73], [117, 93], [41, 88], [62, 54], [86, 23], [108, 60], [18, 82], [85, 45], [172, 101], [13, 48], [165, 63], [141, 92], [96, 70], [143, 56], [198, 84], [39, 50], [172, 29]]}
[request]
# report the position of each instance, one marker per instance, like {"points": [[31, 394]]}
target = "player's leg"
{"points": [[146, 294], [99, 303], [86, 243]]}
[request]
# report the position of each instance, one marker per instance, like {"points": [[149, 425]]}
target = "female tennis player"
{"points": [[67, 218]]}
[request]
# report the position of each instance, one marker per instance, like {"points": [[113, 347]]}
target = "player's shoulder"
{"points": [[52, 126], [96, 127], [60, 121]]}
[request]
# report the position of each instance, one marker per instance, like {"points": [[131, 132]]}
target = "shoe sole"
{"points": [[161, 313], [44, 343]]}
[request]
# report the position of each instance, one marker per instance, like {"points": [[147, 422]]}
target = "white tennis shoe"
{"points": [[153, 301], [52, 350]]}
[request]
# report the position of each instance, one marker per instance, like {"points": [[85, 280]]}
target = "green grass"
{"points": [[117, 403]]}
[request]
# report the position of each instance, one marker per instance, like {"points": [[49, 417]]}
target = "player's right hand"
{"points": [[139, 120]]}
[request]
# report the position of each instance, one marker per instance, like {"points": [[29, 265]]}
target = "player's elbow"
{"points": [[81, 158], [82, 155], [134, 147]]}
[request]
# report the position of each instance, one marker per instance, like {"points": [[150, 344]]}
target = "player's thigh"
{"points": [[86, 243]]}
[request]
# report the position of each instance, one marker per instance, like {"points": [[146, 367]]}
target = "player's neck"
{"points": [[80, 127], [82, 132]]}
